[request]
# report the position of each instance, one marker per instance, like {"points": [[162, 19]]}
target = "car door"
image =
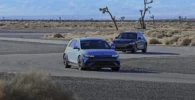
{"points": [[144, 41], [70, 51], [140, 41], [75, 52]]}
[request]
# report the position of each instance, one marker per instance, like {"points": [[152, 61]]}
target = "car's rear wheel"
{"points": [[65, 58], [115, 69], [145, 48], [80, 63], [134, 49]]}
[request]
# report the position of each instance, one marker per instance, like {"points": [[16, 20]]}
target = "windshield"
{"points": [[94, 44], [128, 36]]}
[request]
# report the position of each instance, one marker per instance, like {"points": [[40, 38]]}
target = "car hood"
{"points": [[100, 52], [124, 40]]}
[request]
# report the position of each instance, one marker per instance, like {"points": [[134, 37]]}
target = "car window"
{"points": [[142, 36], [77, 43], [72, 43], [94, 44], [128, 36]]}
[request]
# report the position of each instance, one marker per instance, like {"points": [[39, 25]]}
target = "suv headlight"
{"points": [[88, 56], [115, 55]]}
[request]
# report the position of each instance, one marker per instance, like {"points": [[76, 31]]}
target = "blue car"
{"points": [[130, 41], [91, 53]]}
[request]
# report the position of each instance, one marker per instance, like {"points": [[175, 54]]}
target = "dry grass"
{"points": [[34, 86], [153, 41], [109, 36], [92, 25], [173, 37], [166, 37]]}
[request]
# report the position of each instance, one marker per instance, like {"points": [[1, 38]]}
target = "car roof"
{"points": [[131, 32], [91, 38]]}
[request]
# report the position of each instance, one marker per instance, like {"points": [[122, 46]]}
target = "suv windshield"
{"points": [[94, 44], [128, 36]]}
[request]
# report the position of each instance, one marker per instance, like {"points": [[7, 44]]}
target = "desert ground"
{"points": [[167, 71], [160, 32]]}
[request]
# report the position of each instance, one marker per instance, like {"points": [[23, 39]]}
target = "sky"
{"points": [[87, 9]]}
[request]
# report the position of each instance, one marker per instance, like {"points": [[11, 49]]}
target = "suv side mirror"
{"points": [[116, 37], [139, 38], [76, 47], [113, 47]]}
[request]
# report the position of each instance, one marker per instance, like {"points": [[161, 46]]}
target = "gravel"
{"points": [[98, 89], [185, 65]]}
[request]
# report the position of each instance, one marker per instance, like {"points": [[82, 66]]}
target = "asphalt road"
{"points": [[164, 73]]}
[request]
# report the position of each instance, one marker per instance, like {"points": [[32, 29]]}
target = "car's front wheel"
{"points": [[134, 49], [65, 58], [80, 63], [145, 48], [115, 69]]}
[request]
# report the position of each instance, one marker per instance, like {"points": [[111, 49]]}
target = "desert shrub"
{"points": [[174, 39], [160, 35], [2, 24], [184, 41], [171, 40], [35, 86], [171, 33], [154, 41], [46, 36], [58, 35], [193, 42]]}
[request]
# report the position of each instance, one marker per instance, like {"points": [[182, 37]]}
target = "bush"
{"points": [[154, 41], [35, 86], [193, 42], [184, 42], [57, 36]]}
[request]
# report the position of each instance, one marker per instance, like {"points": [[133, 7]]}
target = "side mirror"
{"points": [[116, 37], [76, 47], [113, 47], [139, 38]]}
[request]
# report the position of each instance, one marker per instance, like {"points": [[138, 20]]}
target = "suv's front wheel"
{"points": [[65, 58], [80, 63]]}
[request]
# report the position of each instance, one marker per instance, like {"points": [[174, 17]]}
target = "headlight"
{"points": [[132, 43], [115, 55], [89, 56]]}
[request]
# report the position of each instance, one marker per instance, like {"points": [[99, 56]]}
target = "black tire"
{"points": [[145, 48], [80, 64], [134, 49], [65, 60], [123, 51], [115, 69]]}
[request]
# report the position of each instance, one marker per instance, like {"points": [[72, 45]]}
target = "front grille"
{"points": [[103, 63], [102, 58], [128, 47]]}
